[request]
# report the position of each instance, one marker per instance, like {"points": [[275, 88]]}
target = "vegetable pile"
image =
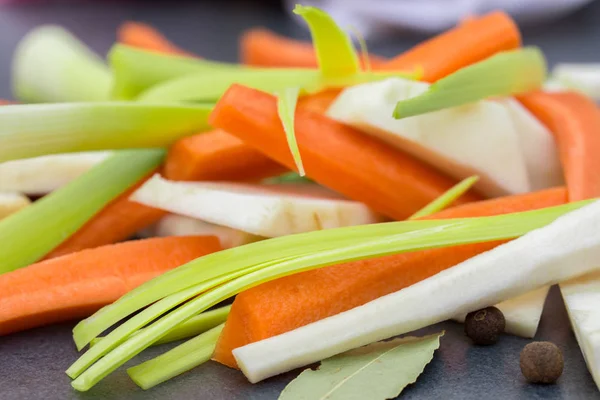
{"points": [[343, 199]]}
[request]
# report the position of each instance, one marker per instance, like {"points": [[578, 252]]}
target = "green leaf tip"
{"points": [[286, 108]]}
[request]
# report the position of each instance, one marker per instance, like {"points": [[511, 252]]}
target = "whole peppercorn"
{"points": [[541, 362], [484, 326]]}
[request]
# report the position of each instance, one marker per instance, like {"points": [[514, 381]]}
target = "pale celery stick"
{"points": [[41, 129], [286, 109], [443, 233], [175, 362], [52, 65], [34, 231], [447, 198]]}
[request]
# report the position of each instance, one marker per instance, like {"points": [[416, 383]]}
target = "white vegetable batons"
{"points": [[263, 210], [41, 175], [179, 225], [567, 248], [11, 203], [479, 138], [522, 314], [582, 299], [584, 78]]}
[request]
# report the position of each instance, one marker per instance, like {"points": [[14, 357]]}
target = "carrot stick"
{"points": [[264, 48], [318, 102], [78, 284], [574, 120], [335, 155], [217, 155], [144, 36], [291, 302]]}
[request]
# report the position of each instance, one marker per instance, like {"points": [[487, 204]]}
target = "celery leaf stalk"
{"points": [[286, 108], [447, 198]]}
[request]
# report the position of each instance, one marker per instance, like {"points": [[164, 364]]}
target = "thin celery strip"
{"points": [[178, 360], [442, 233], [192, 327], [364, 50], [286, 109], [290, 177], [31, 233], [41, 129], [136, 70], [447, 198], [52, 65], [335, 53], [504, 74]]}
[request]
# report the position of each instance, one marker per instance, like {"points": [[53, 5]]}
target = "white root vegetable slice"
{"points": [[582, 299], [263, 210], [567, 248], [44, 174], [522, 313], [11, 203], [179, 225], [581, 77], [475, 139]]}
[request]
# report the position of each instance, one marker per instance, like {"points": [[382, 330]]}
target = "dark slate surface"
{"points": [[32, 363]]}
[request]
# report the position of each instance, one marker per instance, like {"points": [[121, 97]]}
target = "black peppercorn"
{"points": [[541, 362], [484, 326]]}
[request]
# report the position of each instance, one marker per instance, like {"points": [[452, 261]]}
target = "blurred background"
{"points": [[567, 30]]}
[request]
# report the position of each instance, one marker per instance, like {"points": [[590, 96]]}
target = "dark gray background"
{"points": [[32, 363]]}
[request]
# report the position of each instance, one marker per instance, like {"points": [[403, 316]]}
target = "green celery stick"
{"points": [[447, 198], [286, 109]]}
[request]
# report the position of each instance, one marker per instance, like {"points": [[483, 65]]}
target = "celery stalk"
{"points": [[135, 70], [504, 74], [31, 233], [447, 198], [34, 130], [52, 65], [286, 109], [441, 233], [180, 359]]}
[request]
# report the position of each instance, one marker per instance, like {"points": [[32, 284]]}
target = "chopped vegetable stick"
{"points": [[192, 327], [566, 248], [261, 47], [447, 198], [44, 174], [34, 231], [318, 102], [217, 155], [144, 36], [574, 119], [314, 295], [52, 65], [77, 285], [584, 78], [286, 109], [10, 203], [176, 361], [461, 46], [364, 169], [264, 210]]}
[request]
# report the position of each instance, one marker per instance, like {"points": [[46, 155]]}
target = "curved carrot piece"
{"points": [[335, 155], [217, 155], [291, 302], [318, 102], [574, 120], [78, 284], [144, 36]]}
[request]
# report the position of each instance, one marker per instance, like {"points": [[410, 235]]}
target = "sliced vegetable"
{"points": [[286, 109], [79, 284], [44, 174], [364, 169], [378, 371], [263, 210], [574, 119], [35, 130], [52, 65], [176, 361], [504, 74], [540, 258], [10, 203], [318, 102], [146, 37], [30, 234], [314, 295], [584, 78], [290, 177], [447, 198], [217, 155]]}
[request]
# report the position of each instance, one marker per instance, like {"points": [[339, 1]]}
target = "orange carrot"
{"points": [[263, 48], [217, 155], [76, 285], [574, 120], [144, 36], [291, 302], [318, 102], [335, 155], [463, 45]]}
